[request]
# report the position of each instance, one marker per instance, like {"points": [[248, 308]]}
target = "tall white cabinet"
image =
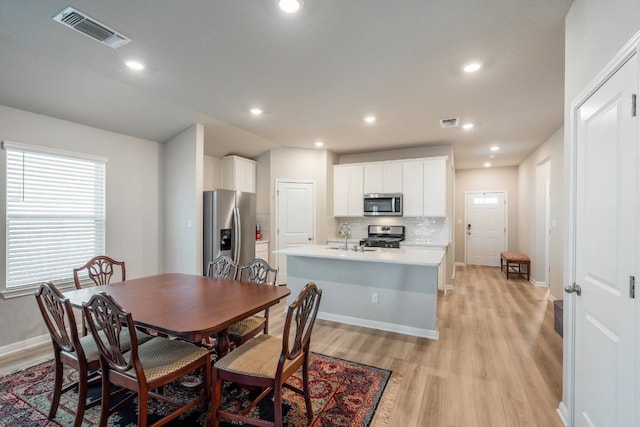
{"points": [[348, 190]]}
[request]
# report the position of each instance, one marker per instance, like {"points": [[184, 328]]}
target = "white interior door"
{"points": [[486, 228], [295, 219], [606, 255]]}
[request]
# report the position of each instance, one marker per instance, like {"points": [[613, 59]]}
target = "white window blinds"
{"points": [[55, 214]]}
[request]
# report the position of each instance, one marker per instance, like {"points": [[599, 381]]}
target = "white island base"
{"points": [[390, 289]]}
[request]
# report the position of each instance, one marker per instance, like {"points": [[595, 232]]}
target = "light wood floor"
{"points": [[498, 361]]}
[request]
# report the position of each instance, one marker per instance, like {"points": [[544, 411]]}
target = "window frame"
{"points": [[28, 289]]}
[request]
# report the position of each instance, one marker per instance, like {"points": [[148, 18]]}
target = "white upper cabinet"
{"points": [[384, 177], [239, 174], [422, 182], [435, 186], [413, 188], [348, 185]]}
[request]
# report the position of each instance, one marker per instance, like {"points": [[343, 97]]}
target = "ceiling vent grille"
{"points": [[449, 123], [88, 26]]}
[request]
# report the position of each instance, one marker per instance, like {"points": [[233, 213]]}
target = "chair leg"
{"points": [[305, 388], [57, 387], [82, 396], [277, 405], [106, 394], [215, 402], [142, 406]]}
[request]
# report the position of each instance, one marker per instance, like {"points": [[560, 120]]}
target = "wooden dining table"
{"points": [[187, 306]]}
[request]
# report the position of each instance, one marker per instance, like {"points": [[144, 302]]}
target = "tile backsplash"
{"points": [[418, 230]]}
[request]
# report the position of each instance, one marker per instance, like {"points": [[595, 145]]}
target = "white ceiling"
{"points": [[316, 74]]}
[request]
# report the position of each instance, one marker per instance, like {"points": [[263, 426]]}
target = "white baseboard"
{"points": [[17, 347], [563, 413], [384, 326], [539, 284]]}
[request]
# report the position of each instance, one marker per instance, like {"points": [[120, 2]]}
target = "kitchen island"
{"points": [[389, 289]]}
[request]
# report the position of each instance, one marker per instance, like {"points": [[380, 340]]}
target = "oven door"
{"points": [[382, 205]]}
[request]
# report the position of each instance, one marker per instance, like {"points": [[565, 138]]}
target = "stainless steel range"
{"points": [[384, 236]]}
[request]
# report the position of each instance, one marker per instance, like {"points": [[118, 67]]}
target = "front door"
{"points": [[606, 254], [295, 219], [485, 228]]}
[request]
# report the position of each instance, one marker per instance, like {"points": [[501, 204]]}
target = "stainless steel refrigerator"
{"points": [[229, 226]]}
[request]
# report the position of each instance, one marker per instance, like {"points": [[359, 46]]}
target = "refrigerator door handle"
{"points": [[237, 235]]}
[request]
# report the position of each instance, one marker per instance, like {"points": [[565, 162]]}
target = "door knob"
{"points": [[573, 288]]}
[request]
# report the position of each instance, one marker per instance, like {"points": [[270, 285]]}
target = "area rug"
{"points": [[343, 393]]}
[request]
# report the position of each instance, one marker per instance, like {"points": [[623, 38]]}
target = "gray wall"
{"points": [[183, 182], [134, 203], [531, 234]]}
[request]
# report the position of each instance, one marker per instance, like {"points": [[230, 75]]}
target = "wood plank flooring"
{"points": [[498, 361]]}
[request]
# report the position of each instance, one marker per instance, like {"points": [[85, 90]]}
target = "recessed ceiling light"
{"points": [[370, 119], [472, 67], [468, 126], [135, 65], [493, 156], [318, 143], [495, 148], [256, 111], [289, 6], [487, 165]]}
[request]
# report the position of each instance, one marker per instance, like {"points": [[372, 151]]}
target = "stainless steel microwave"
{"points": [[383, 204]]}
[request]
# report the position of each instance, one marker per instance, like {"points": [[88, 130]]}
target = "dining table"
{"points": [[187, 306]]}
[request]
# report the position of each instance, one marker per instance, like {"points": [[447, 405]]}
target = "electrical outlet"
{"points": [[374, 298]]}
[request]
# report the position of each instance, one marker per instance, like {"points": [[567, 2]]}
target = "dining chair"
{"points": [[79, 353], [222, 267], [268, 362], [256, 271], [100, 270], [147, 367]]}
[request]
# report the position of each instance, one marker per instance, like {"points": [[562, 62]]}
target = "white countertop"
{"points": [[409, 256]]}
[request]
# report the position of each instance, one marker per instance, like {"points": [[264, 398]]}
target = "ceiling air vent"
{"points": [[88, 26], [449, 123]]}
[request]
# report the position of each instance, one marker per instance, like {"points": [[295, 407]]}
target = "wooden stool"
{"points": [[513, 261]]}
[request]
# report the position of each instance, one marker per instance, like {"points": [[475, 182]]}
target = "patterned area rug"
{"points": [[343, 393]]}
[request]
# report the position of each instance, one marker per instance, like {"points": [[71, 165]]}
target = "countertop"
{"points": [[404, 243], [410, 256]]}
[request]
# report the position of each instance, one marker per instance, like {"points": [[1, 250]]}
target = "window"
{"points": [[55, 215]]}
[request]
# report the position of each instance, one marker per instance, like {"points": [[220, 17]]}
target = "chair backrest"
{"points": [[258, 271], [303, 311], [116, 329], [100, 270], [222, 267], [57, 313]]}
